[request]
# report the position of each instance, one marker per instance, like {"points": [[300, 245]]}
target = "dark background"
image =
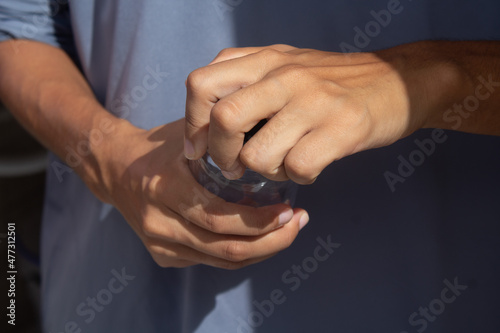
{"points": [[22, 179]]}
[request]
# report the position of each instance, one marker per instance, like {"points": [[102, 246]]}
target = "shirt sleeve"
{"points": [[46, 21]]}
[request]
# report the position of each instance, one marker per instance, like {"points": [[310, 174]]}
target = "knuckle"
{"points": [[226, 115], [153, 228], [160, 262], [255, 157], [355, 122], [359, 114], [167, 257], [235, 251], [288, 76], [281, 46], [159, 257], [301, 170], [251, 158], [293, 72], [327, 94], [149, 228], [212, 222], [197, 80], [229, 52], [271, 55]]}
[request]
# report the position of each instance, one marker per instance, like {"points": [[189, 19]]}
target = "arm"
{"points": [[142, 173], [476, 106], [51, 99], [323, 106]]}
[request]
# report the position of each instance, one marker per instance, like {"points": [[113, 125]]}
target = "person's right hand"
{"points": [[145, 175]]}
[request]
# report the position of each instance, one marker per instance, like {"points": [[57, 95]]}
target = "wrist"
{"points": [[434, 80], [107, 153]]}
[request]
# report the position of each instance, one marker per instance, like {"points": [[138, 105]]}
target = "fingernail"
{"points": [[188, 149], [304, 219], [285, 217], [232, 175]]}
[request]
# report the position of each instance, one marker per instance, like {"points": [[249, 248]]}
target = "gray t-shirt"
{"points": [[401, 239]]}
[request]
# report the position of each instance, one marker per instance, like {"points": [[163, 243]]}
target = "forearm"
{"points": [[141, 172], [49, 96], [460, 83]]}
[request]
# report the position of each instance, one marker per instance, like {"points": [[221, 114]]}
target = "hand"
{"points": [[142, 173], [321, 106], [145, 175]]}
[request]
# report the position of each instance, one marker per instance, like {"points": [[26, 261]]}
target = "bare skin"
{"points": [[143, 173], [323, 106]]}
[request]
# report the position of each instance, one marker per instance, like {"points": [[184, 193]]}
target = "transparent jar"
{"points": [[251, 189]]}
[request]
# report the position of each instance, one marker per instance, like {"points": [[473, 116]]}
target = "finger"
{"points": [[238, 52], [207, 85], [266, 151], [190, 242], [319, 148], [238, 113], [167, 254], [241, 248], [200, 206]]}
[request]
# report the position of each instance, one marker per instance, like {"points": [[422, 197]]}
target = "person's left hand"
{"points": [[321, 106]]}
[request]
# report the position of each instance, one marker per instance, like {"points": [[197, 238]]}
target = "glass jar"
{"points": [[251, 189]]}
